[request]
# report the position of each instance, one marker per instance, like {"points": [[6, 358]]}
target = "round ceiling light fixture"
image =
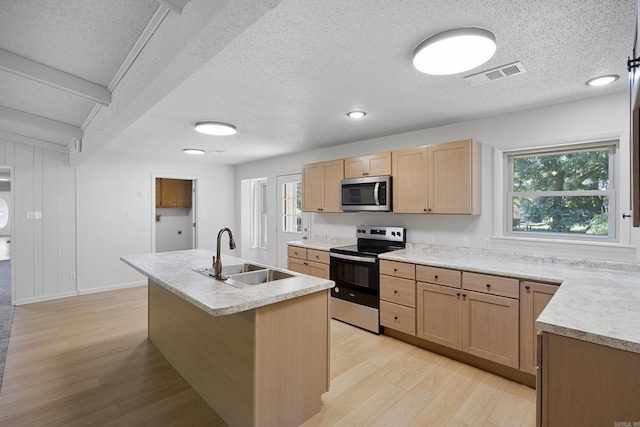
{"points": [[196, 151], [454, 51], [356, 114], [215, 128], [602, 80]]}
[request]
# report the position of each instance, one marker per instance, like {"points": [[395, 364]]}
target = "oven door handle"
{"points": [[354, 258]]}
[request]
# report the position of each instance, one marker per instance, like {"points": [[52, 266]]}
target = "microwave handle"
{"points": [[376, 189]]}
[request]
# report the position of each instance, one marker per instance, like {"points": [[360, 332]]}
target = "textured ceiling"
{"points": [[286, 72]]}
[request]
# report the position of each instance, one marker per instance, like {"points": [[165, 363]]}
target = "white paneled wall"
{"points": [[43, 250]]}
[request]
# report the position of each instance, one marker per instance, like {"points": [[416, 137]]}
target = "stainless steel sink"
{"points": [[231, 269], [256, 277]]}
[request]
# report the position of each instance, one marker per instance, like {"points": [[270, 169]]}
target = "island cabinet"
{"points": [[321, 191], [582, 383], [398, 296], [475, 313], [173, 193], [378, 164], [308, 261], [440, 179], [534, 297]]}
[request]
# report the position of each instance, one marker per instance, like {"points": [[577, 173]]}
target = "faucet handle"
{"points": [[213, 261]]}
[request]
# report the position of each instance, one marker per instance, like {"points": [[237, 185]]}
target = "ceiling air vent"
{"points": [[496, 74]]}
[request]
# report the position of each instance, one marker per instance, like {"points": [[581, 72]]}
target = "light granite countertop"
{"points": [[174, 271], [323, 243], [598, 301]]}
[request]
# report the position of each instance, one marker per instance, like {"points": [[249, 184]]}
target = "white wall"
{"points": [[174, 230], [43, 250], [593, 119], [109, 188]]}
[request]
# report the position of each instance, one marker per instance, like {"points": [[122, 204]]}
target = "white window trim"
{"points": [[560, 247], [258, 214], [612, 237]]}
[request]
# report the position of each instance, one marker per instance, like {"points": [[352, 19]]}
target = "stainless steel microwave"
{"points": [[366, 194]]}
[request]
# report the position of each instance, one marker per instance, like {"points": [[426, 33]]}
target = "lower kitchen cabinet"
{"points": [[308, 261], [480, 324], [586, 384], [534, 297], [398, 302]]}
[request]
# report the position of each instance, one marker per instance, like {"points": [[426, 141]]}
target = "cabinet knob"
{"points": [[435, 277], [488, 285], [464, 295], [395, 270], [395, 317], [527, 287], [395, 292], [429, 209], [425, 209], [458, 294]]}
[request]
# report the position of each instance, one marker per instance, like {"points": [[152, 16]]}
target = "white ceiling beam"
{"points": [[175, 5], [34, 142], [26, 68], [41, 122]]}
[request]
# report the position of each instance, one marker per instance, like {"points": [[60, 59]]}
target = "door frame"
{"points": [[12, 225], [194, 206], [306, 223]]}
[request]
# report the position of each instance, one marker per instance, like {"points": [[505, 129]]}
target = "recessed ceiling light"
{"points": [[215, 128], [356, 114], [603, 80], [193, 151], [454, 51], [5, 179]]}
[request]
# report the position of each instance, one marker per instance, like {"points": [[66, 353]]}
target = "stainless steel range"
{"points": [[356, 271]]}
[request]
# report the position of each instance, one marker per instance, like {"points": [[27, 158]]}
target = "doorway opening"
{"points": [[174, 213]]}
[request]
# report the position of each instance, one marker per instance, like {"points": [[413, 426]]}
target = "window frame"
{"points": [[285, 213], [259, 214], [611, 192]]}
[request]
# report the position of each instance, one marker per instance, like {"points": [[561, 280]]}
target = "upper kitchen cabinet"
{"points": [[321, 186], [441, 179], [173, 193], [378, 164]]}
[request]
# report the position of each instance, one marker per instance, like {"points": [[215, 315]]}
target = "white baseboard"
{"points": [[44, 298], [79, 292]]}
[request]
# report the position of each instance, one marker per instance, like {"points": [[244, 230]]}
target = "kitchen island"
{"points": [[258, 354]]}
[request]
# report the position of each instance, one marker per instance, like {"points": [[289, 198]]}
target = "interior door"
{"points": [[291, 222]]}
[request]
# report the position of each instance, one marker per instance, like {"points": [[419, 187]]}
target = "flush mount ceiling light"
{"points": [[454, 51], [356, 114], [193, 151], [215, 128], [603, 80]]}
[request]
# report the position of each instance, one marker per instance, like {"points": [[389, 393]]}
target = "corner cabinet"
{"points": [[439, 179], [534, 297], [321, 186], [378, 164]]}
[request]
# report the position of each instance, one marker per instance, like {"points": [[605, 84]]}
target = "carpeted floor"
{"points": [[6, 312]]}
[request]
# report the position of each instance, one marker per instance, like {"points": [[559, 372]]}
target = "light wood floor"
{"points": [[86, 361]]}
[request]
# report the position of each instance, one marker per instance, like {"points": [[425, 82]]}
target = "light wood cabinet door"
{"points": [[298, 265], [409, 170], [321, 190], [173, 193], [491, 327], [534, 297], [455, 177], [169, 191], [439, 314], [312, 183], [317, 269], [332, 190], [378, 164], [158, 192], [183, 193]]}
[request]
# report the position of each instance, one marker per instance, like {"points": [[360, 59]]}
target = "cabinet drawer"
{"points": [[398, 269], [397, 290], [318, 269], [297, 252], [439, 276], [495, 285], [398, 317], [318, 256]]}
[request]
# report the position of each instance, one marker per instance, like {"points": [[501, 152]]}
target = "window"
{"points": [[562, 193], [292, 207], [259, 214]]}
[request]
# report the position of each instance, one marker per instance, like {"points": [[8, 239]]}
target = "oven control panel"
{"points": [[394, 234]]}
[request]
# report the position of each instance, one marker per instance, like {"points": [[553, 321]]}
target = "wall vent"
{"points": [[496, 74]]}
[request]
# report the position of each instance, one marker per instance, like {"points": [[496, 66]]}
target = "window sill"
{"points": [[566, 248]]}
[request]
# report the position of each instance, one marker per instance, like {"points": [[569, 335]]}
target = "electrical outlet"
{"points": [[487, 243], [466, 241], [430, 239]]}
